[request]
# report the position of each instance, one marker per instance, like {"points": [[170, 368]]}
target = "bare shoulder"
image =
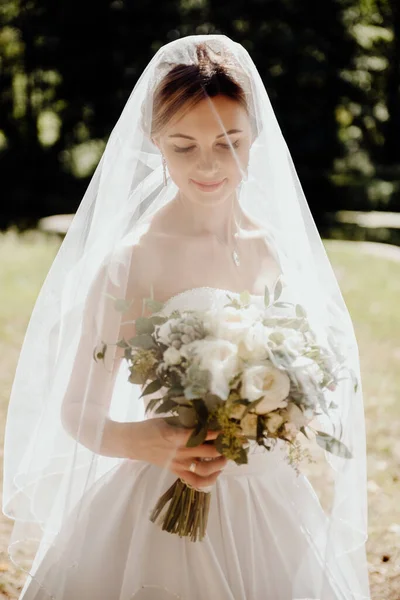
{"points": [[263, 238]]}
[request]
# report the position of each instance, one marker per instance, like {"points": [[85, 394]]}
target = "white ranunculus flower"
{"points": [[172, 356], [308, 373], [164, 331], [255, 342], [248, 425], [291, 431], [294, 341], [219, 358], [230, 323], [266, 382], [236, 411]]}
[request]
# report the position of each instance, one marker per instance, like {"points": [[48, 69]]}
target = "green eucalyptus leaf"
{"points": [[166, 406], [304, 432], [174, 421], [245, 298], [197, 437], [175, 392], [152, 404], [143, 325], [332, 445], [278, 290], [267, 297], [152, 388], [123, 344], [122, 305], [300, 311], [201, 409], [158, 320], [187, 416], [242, 459], [144, 341], [153, 305]]}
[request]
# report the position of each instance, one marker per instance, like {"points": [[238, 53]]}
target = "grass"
{"points": [[371, 288]]}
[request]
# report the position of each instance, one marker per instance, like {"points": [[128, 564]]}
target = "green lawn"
{"points": [[371, 287]]}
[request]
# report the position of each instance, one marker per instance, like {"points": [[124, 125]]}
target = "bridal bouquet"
{"points": [[241, 370]]}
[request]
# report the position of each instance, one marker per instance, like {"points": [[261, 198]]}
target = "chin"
{"points": [[210, 199], [209, 194]]}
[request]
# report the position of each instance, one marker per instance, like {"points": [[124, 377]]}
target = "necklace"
{"points": [[234, 252]]}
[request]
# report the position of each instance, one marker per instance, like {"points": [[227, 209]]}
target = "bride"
{"points": [[195, 200]]}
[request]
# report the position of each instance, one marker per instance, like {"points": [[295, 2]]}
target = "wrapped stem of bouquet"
{"points": [[241, 370]]}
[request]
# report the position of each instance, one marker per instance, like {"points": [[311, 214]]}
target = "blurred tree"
{"points": [[67, 68]]}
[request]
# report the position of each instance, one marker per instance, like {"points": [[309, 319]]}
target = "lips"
{"points": [[209, 186]]}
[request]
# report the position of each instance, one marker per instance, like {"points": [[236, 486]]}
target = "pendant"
{"points": [[236, 259]]}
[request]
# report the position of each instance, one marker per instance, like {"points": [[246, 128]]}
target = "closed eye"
{"points": [[228, 146], [184, 149]]}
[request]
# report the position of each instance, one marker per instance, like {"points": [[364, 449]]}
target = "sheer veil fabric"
{"points": [[62, 401]]}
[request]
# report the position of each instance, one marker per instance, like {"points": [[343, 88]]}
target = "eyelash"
{"points": [[189, 148]]}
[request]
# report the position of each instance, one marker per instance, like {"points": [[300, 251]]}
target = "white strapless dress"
{"points": [[263, 538]]}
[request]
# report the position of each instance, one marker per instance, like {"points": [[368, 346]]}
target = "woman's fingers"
{"points": [[204, 468], [196, 480], [202, 451]]}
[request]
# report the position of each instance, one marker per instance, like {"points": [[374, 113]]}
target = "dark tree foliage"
{"points": [[67, 69]]}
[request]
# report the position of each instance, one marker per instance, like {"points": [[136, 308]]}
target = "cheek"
{"points": [[179, 168], [236, 164]]}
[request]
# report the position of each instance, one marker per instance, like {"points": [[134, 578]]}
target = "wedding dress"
{"points": [[256, 548]]}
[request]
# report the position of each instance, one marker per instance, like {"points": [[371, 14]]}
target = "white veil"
{"points": [[52, 460]]}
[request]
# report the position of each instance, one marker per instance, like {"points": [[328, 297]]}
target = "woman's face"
{"points": [[207, 149]]}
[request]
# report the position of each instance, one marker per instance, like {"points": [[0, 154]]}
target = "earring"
{"points": [[164, 164]]}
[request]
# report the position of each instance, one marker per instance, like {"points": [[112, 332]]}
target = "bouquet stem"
{"points": [[187, 512]]}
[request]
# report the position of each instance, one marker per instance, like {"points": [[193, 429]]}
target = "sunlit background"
{"points": [[332, 71]]}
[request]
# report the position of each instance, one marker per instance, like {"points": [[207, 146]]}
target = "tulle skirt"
{"points": [[265, 540]]}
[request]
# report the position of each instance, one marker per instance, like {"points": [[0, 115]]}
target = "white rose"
{"points": [[219, 358], [230, 323], [172, 356], [266, 382], [255, 343]]}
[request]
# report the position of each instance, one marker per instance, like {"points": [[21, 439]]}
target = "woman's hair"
{"points": [[184, 86]]}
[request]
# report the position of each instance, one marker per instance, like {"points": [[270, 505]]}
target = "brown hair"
{"points": [[184, 86]]}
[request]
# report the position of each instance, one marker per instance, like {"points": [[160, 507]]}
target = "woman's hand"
{"points": [[157, 442]]}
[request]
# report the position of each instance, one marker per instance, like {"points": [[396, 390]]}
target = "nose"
{"points": [[207, 162]]}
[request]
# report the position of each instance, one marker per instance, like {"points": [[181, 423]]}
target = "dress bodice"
{"points": [[203, 298]]}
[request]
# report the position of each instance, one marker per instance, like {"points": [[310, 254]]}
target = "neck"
{"points": [[221, 220]]}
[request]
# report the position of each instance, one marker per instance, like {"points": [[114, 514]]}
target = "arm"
{"points": [[86, 403]]}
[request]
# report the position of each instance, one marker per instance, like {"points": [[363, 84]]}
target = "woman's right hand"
{"points": [[155, 441]]}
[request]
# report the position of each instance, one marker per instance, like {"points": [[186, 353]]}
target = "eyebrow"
{"points": [[188, 137]]}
